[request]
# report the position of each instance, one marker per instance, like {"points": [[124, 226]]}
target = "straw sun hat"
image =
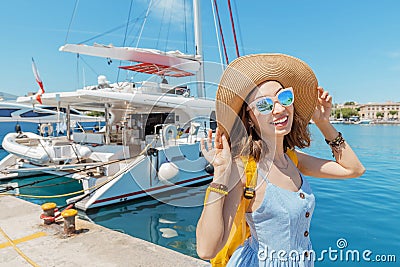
{"points": [[247, 72]]}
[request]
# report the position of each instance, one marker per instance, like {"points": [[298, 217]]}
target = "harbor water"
{"points": [[355, 222]]}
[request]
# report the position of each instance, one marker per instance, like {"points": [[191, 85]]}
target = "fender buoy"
{"points": [[167, 171], [46, 128]]}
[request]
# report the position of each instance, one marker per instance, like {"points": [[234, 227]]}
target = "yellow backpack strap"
{"points": [[251, 172], [240, 230], [250, 169], [293, 156]]}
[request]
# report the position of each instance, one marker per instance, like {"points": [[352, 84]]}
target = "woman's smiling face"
{"points": [[279, 121]]}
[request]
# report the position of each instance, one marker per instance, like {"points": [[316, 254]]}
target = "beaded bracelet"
{"points": [[217, 188], [336, 143], [220, 191]]}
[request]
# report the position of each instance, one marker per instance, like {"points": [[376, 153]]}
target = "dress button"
{"points": [[306, 233], [307, 214], [302, 195]]}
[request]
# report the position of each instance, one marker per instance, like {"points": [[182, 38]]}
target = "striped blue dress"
{"points": [[279, 230]]}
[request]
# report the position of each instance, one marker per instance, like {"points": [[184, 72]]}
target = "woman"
{"points": [[264, 104]]}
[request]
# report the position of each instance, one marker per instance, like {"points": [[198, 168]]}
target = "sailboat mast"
{"points": [[198, 48]]}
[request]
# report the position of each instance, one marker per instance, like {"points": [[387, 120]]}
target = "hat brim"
{"points": [[247, 72]]}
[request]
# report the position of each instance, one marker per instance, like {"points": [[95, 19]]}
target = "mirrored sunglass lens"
{"points": [[265, 105], [286, 98]]}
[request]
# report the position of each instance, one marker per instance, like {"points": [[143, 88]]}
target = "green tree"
{"points": [[393, 112], [379, 115], [345, 113], [349, 103], [95, 114]]}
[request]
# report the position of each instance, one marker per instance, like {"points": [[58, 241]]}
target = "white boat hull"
{"points": [[140, 179]]}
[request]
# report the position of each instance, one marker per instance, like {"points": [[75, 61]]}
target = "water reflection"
{"points": [[167, 225]]}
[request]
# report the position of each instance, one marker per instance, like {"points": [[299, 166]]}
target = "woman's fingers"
{"points": [[225, 142], [207, 152], [202, 145], [325, 94], [320, 91], [209, 140], [217, 140], [209, 133]]}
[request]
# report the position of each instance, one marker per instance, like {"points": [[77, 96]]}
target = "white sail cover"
{"points": [[174, 59]]}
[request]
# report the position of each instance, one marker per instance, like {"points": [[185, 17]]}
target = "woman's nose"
{"points": [[278, 107]]}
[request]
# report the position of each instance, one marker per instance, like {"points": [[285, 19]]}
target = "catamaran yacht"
{"points": [[150, 142]]}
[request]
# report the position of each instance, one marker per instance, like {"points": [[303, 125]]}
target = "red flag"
{"points": [[38, 98], [39, 81]]}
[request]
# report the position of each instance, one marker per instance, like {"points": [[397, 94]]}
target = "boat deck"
{"points": [[93, 245]]}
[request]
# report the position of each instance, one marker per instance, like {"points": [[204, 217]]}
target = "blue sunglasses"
{"points": [[265, 105]]}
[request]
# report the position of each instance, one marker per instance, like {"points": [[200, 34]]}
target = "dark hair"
{"points": [[245, 140]]}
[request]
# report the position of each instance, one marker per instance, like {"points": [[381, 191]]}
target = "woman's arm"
{"points": [[347, 164], [219, 210], [216, 220]]}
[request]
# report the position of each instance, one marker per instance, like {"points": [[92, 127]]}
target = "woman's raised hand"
{"points": [[219, 154], [324, 105]]}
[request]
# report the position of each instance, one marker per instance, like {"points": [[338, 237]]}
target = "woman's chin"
{"points": [[283, 129]]}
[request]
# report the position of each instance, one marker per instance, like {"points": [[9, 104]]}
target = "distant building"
{"points": [[352, 105], [370, 110]]}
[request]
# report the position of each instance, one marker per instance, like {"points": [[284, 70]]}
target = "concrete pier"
{"points": [[92, 245]]}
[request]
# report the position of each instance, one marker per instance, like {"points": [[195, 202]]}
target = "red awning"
{"points": [[157, 69]]}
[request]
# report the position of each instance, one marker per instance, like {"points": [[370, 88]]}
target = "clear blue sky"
{"points": [[353, 46]]}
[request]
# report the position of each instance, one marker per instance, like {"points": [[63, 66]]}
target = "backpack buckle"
{"points": [[249, 192]]}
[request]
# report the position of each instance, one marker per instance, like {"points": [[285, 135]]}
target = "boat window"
{"points": [[7, 112], [35, 114], [151, 120]]}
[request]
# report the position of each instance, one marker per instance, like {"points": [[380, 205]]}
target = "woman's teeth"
{"points": [[282, 120]]}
